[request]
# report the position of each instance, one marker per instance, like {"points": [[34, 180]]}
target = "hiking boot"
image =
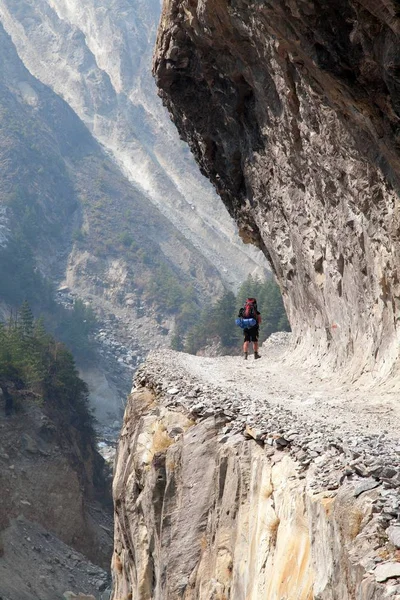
{"points": [[246, 355], [256, 355]]}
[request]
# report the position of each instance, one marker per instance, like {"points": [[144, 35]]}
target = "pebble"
{"points": [[173, 391]]}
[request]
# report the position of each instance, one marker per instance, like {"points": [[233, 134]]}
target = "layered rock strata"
{"points": [[292, 110], [212, 504]]}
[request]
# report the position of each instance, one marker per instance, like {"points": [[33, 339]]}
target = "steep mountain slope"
{"points": [[292, 110], [97, 56], [51, 473], [52, 476], [53, 482], [69, 214]]}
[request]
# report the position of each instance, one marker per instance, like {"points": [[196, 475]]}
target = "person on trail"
{"points": [[250, 311]]}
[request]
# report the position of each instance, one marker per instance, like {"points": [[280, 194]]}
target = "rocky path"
{"points": [[212, 430], [274, 381], [341, 430]]}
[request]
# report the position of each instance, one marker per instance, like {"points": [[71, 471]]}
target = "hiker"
{"points": [[249, 311]]}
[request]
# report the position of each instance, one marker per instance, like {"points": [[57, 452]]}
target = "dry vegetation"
{"points": [[161, 439]]}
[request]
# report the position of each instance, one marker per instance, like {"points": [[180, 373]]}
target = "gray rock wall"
{"points": [[292, 111], [50, 476]]}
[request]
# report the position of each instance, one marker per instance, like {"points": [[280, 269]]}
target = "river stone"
{"points": [[387, 571]]}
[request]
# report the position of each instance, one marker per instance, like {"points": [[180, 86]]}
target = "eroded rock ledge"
{"points": [[292, 110], [213, 504]]}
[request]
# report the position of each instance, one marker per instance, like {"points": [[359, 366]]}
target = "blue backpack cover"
{"points": [[245, 323]]}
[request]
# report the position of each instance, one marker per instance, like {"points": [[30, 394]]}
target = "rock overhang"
{"points": [[291, 110]]}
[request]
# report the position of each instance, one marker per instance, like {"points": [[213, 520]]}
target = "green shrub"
{"points": [[44, 366], [126, 239]]}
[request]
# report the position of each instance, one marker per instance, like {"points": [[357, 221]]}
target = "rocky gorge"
{"points": [[100, 207], [107, 194], [279, 479], [275, 479]]}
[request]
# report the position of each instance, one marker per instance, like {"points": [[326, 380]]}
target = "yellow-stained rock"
{"points": [[204, 520]]}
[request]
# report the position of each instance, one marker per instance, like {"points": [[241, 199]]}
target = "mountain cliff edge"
{"points": [[239, 479]]}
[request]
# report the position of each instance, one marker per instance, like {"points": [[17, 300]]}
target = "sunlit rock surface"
{"points": [[207, 509]]}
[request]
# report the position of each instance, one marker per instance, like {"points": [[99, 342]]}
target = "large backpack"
{"points": [[248, 314], [250, 309]]}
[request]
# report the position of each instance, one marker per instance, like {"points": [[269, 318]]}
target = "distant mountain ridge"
{"points": [[98, 58]]}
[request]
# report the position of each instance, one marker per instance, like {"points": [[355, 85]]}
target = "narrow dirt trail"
{"points": [[274, 380]]}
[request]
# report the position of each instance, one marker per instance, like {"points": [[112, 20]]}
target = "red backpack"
{"points": [[250, 309]]}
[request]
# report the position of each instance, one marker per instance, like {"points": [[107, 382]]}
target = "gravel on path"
{"points": [[274, 380]]}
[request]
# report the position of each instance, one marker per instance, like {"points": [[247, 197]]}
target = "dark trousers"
{"points": [[251, 335]]}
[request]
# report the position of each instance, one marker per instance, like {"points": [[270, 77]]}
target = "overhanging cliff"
{"points": [[292, 110]]}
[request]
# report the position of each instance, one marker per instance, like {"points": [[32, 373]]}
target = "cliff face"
{"points": [[292, 110], [215, 500], [55, 502], [52, 476]]}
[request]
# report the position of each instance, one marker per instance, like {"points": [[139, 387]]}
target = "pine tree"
{"points": [[223, 319], [46, 368], [25, 321]]}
